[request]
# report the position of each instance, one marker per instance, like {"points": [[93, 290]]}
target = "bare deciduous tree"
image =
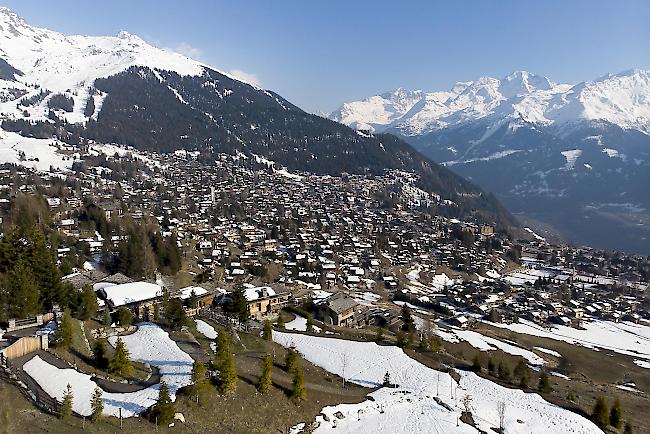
{"points": [[501, 409]]}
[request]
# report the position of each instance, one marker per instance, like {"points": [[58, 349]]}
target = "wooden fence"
{"points": [[25, 345]]}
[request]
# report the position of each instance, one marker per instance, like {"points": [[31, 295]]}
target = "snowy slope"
{"points": [[411, 408]]}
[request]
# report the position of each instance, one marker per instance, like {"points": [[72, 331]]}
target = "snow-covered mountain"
{"points": [[621, 99], [557, 153]]}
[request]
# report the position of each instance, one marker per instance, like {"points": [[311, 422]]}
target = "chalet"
{"points": [[339, 310], [264, 302], [139, 297]]}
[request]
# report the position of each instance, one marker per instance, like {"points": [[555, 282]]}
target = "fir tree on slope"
{"points": [[97, 405], [265, 382], [66, 405], [225, 364], [64, 333], [299, 392], [163, 411], [120, 363]]}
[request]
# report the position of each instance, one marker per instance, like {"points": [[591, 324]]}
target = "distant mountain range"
{"points": [[123, 90], [573, 159]]}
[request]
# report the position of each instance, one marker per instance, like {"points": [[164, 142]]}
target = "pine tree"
{"points": [[616, 415], [100, 355], [408, 324], [65, 331], [267, 333], [107, 320], [42, 261], [600, 415], [236, 304], [120, 363], [380, 334], [310, 324], [199, 377], [504, 371], [544, 385], [97, 405], [476, 364], [66, 405], [174, 313], [291, 359], [88, 306], [522, 373], [299, 392], [491, 366], [163, 411], [225, 364], [401, 339], [22, 291], [265, 382], [124, 317], [386, 382], [280, 321]]}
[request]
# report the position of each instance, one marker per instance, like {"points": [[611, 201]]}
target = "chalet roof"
{"points": [[134, 292], [340, 303]]}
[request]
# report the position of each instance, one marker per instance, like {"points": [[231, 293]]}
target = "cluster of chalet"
{"points": [[354, 245]]}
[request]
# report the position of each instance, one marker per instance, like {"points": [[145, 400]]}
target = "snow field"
{"points": [[149, 344], [411, 407], [205, 329]]}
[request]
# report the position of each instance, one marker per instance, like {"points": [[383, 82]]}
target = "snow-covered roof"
{"points": [[187, 292], [126, 293], [256, 293]]}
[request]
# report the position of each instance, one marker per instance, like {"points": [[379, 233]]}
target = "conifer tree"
{"points": [[491, 367], [616, 415], [386, 382], [299, 392], [107, 320], [628, 428], [544, 385], [124, 317], [225, 364], [476, 364], [265, 382], [408, 324], [291, 359], [120, 363], [280, 321], [267, 333], [310, 324], [199, 377], [380, 334], [65, 331], [22, 291], [100, 355], [600, 415], [97, 405], [163, 411], [504, 371], [88, 306], [236, 304], [66, 405], [522, 373]]}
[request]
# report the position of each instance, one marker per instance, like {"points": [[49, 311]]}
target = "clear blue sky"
{"points": [[319, 54]]}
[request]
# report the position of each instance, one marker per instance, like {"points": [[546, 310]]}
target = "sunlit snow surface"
{"points": [[149, 344], [411, 407]]}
